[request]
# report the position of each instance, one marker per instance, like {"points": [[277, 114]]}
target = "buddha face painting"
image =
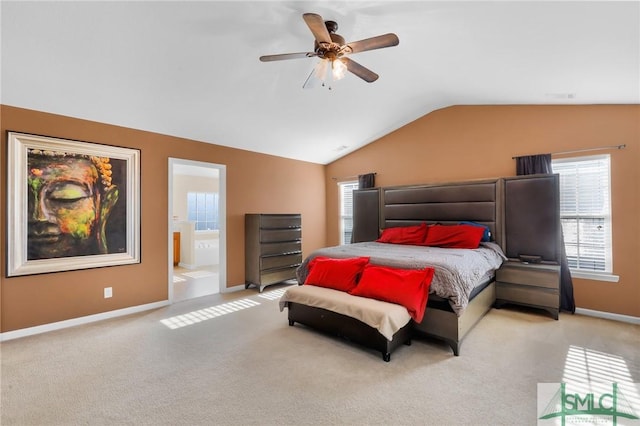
{"points": [[69, 200]]}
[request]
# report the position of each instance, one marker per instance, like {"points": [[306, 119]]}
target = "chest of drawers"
{"points": [[273, 248]]}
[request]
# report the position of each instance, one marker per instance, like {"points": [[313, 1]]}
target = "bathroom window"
{"points": [[202, 208]]}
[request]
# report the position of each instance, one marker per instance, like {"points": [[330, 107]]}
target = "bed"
{"points": [[456, 302]]}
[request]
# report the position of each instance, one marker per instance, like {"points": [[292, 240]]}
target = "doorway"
{"points": [[197, 229]]}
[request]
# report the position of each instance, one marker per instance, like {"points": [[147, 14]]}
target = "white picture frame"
{"points": [[44, 186]]}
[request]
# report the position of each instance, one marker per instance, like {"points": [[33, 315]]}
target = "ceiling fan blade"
{"points": [[312, 81], [357, 69], [283, 56], [317, 26], [378, 42]]}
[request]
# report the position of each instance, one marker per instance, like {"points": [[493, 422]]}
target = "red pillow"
{"points": [[404, 235], [406, 287], [454, 236], [339, 274]]}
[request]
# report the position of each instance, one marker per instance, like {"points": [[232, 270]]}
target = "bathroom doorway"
{"points": [[197, 229]]}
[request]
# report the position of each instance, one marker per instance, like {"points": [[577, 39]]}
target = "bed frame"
{"points": [[446, 203]]}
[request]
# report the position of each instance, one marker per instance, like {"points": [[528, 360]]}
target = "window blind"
{"points": [[585, 208], [346, 210]]}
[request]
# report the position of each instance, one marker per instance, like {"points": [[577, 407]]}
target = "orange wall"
{"points": [[255, 183], [457, 143], [472, 142]]}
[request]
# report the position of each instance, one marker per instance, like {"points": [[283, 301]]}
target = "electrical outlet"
{"points": [[108, 292]]}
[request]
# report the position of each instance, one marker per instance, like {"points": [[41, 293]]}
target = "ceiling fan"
{"points": [[333, 51]]}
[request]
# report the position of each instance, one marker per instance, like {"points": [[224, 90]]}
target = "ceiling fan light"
{"points": [[338, 69], [326, 72], [322, 70]]}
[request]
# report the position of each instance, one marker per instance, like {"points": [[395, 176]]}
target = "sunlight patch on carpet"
{"points": [[177, 279], [205, 314], [273, 294], [593, 372]]}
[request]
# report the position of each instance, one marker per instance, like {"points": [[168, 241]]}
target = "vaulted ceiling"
{"points": [[191, 69]]}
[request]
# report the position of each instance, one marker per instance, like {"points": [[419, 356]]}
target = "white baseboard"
{"points": [[608, 315], [9, 335]]}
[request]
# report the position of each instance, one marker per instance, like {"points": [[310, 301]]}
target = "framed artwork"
{"points": [[71, 205]]}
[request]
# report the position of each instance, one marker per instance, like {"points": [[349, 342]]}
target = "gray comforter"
{"points": [[457, 271]]}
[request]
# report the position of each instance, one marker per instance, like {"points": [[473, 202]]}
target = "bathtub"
{"points": [[198, 248]]}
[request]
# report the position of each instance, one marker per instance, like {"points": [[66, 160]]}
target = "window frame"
{"points": [[342, 216], [577, 272]]}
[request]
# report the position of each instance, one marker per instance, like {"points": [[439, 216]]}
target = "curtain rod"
{"points": [[351, 177], [582, 150]]}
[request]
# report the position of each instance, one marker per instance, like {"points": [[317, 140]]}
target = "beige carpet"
{"points": [[234, 360]]}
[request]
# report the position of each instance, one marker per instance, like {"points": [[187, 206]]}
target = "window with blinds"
{"points": [[346, 210], [585, 211]]}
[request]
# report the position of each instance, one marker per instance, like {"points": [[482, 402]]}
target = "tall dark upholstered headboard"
{"points": [[532, 217], [366, 214], [447, 203], [522, 211]]}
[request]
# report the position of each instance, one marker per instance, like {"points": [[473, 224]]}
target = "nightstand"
{"points": [[529, 284]]}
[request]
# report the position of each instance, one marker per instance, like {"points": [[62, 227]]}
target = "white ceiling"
{"points": [[191, 69]]}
